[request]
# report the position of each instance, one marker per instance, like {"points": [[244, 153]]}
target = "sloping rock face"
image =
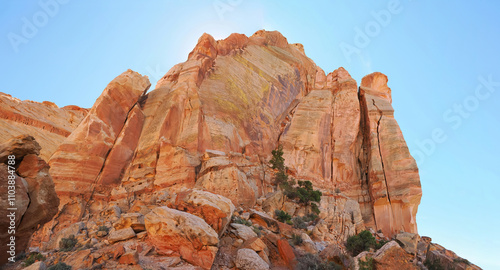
{"points": [[212, 122], [88, 163], [46, 122], [34, 202]]}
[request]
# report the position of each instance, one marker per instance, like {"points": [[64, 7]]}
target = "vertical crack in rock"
{"points": [[365, 152], [380, 150], [98, 177], [289, 116], [332, 141]]}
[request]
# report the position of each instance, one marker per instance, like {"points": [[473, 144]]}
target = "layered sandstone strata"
{"points": [[46, 122], [212, 121]]}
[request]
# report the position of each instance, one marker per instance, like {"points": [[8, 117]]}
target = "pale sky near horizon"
{"points": [[442, 60]]}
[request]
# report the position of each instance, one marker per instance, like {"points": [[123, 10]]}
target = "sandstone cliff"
{"points": [[173, 170], [242, 97], [46, 122]]}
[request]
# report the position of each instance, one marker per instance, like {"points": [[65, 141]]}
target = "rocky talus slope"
{"points": [[178, 177]]}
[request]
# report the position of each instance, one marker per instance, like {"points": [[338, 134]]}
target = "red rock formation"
{"points": [[35, 201], [47, 123], [213, 120], [173, 231], [286, 253], [94, 155], [393, 179]]}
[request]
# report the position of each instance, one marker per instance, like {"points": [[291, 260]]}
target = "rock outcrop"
{"points": [[34, 201], [46, 122], [212, 122], [392, 173], [91, 160], [173, 231], [179, 175]]}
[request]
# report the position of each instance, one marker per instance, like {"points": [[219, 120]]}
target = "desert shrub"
{"points": [[32, 258], [433, 265], [257, 230], [361, 242], [380, 244], [278, 163], [304, 192], [283, 216], [315, 208], [242, 221], [297, 240], [366, 264], [280, 177], [103, 228], [59, 266], [299, 223], [310, 217], [67, 244], [313, 262]]}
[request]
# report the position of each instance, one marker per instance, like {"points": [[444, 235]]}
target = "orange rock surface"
{"points": [[46, 122], [212, 122]]}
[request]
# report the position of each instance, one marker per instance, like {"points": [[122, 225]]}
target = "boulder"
{"points": [[171, 230], [273, 202], [215, 209], [222, 177], [408, 241], [129, 258], [392, 256], [74, 229], [243, 232], [247, 259], [286, 253], [132, 220], [447, 259], [19, 147], [121, 235]]}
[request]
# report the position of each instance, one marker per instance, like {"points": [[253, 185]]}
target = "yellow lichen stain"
{"points": [[219, 141]]}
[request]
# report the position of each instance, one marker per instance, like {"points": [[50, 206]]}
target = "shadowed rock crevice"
{"points": [[380, 150]]}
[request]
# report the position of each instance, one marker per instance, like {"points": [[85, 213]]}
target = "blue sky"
{"points": [[442, 60]]}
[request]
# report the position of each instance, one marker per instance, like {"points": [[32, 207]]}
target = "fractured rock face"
{"points": [[212, 122], [221, 176], [35, 201], [393, 179], [247, 259], [78, 162], [341, 218]]}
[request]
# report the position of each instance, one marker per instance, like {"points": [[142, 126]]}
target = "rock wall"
{"points": [[36, 201], [46, 122], [212, 121]]}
